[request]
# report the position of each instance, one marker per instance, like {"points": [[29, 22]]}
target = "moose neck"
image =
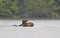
{"points": [[24, 21]]}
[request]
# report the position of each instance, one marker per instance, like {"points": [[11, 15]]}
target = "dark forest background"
{"points": [[18, 9]]}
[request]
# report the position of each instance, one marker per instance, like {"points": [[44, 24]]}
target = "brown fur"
{"points": [[27, 24]]}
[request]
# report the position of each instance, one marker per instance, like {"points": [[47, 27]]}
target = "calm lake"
{"points": [[41, 29]]}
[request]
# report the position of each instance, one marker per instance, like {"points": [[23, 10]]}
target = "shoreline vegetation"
{"points": [[28, 19], [29, 9]]}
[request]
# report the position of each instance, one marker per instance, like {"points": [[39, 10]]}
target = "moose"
{"points": [[26, 23]]}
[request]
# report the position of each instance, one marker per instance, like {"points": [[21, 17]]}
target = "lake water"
{"points": [[41, 29]]}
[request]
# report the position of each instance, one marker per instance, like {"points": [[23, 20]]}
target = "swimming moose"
{"points": [[25, 23]]}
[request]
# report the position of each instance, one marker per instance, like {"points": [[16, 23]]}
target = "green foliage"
{"points": [[16, 9]]}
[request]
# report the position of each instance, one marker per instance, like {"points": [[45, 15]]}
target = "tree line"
{"points": [[17, 9]]}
